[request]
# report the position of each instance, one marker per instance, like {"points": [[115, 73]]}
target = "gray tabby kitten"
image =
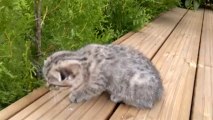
{"points": [[124, 73]]}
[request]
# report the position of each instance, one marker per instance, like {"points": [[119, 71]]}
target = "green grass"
{"points": [[66, 24]]}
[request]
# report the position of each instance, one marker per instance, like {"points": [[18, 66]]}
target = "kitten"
{"points": [[126, 74]]}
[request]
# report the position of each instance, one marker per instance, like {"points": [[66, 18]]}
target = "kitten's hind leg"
{"points": [[115, 98]]}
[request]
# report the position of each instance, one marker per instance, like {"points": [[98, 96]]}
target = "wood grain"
{"points": [[22, 103], [202, 108], [35, 105]]}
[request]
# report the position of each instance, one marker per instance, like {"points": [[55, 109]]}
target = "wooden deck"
{"points": [[179, 43]]}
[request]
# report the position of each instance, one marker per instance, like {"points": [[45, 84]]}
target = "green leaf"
{"points": [[196, 4], [188, 3]]}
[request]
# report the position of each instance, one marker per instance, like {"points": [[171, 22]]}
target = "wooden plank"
{"points": [[105, 111], [178, 73], [57, 109], [35, 105], [63, 115], [22, 103], [95, 111], [122, 110], [123, 38], [202, 108], [184, 53], [42, 109], [150, 38], [86, 113], [48, 105]]}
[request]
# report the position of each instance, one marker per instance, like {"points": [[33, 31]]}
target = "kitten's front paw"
{"points": [[75, 98], [115, 98]]}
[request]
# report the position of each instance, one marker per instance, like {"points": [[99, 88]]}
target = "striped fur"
{"points": [[126, 74]]}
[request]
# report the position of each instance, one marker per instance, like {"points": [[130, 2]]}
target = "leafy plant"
{"points": [[16, 68], [192, 4]]}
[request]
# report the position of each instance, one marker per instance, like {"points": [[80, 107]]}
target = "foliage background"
{"points": [[66, 24]]}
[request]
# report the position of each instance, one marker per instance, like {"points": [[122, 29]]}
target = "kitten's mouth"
{"points": [[53, 87], [56, 85]]}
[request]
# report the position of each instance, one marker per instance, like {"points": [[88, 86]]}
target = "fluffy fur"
{"points": [[126, 74]]}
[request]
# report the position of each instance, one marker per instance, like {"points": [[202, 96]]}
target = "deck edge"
{"points": [[15, 107]]}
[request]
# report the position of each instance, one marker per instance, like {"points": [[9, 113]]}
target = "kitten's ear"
{"points": [[70, 67]]}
